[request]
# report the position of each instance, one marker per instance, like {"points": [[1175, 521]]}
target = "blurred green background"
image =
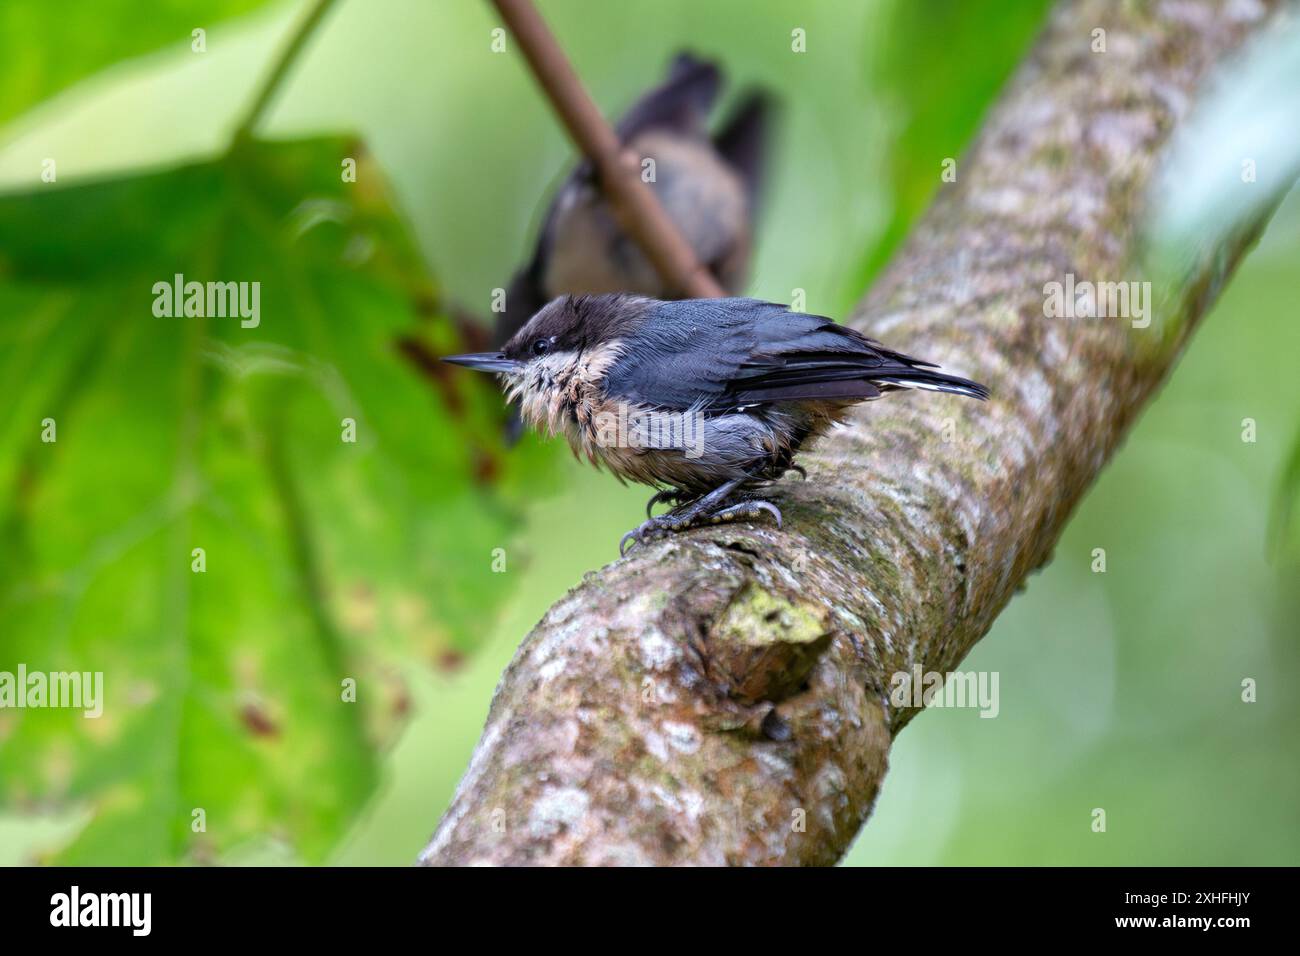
{"points": [[1119, 690]]}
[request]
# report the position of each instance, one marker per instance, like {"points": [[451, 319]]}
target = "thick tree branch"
{"points": [[633, 202], [694, 702]]}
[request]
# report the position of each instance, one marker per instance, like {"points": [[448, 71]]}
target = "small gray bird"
{"points": [[704, 399], [708, 186]]}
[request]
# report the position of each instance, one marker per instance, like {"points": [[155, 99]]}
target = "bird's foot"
{"points": [[693, 516], [803, 472], [650, 529]]}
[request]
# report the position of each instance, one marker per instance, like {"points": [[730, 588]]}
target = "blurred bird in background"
{"points": [[708, 185]]}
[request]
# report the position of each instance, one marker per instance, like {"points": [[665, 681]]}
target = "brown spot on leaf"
{"points": [[257, 721]]}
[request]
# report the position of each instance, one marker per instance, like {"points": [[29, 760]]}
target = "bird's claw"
{"points": [[747, 509], [650, 528], [679, 521]]}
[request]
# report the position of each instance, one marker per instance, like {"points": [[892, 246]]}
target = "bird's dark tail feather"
{"points": [[682, 102], [934, 381], [745, 140]]}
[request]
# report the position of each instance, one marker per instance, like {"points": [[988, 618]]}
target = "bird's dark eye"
{"points": [[541, 346]]}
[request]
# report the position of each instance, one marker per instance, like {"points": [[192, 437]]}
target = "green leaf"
{"points": [[1234, 158], [941, 64], [1238, 151], [1284, 523], [325, 560], [42, 52]]}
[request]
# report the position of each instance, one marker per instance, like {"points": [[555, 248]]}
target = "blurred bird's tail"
{"points": [[745, 140], [682, 102]]}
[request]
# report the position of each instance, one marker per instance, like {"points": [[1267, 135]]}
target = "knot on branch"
{"points": [[763, 645]]}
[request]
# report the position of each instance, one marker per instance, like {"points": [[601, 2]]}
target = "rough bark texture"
{"points": [[721, 697]]}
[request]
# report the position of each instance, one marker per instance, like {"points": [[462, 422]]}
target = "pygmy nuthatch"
{"points": [[703, 399]]}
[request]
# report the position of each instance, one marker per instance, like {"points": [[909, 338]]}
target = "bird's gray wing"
{"points": [[719, 354]]}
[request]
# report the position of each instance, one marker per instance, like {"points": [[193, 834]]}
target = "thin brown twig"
{"points": [[301, 33], [635, 206]]}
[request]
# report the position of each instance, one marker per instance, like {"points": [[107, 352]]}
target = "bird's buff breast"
{"points": [[561, 395]]}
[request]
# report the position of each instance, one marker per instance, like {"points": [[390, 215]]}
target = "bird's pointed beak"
{"points": [[485, 362]]}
